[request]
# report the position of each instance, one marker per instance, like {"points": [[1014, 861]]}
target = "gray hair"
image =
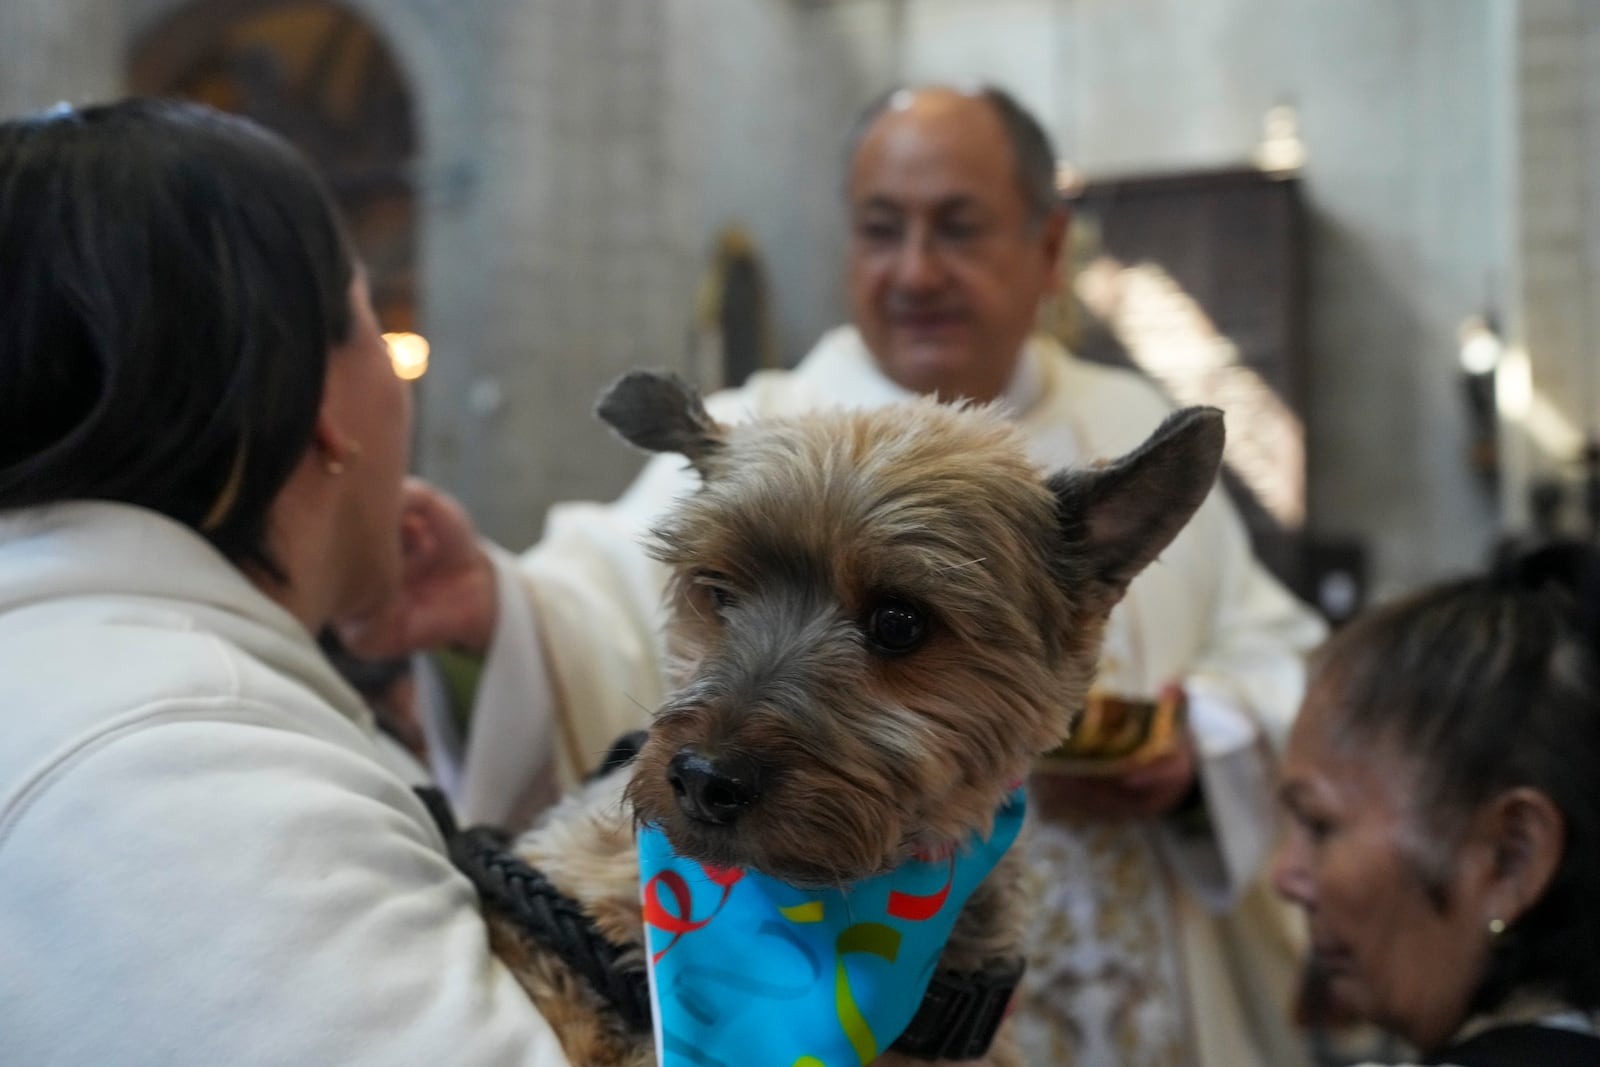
{"points": [[1487, 684], [1031, 150]]}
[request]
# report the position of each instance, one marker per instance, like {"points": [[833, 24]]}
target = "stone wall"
{"points": [[53, 50], [1557, 407], [556, 247]]}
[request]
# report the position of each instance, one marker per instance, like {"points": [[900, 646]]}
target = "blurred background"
{"points": [[1369, 229]]}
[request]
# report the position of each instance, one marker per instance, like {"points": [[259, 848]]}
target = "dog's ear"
{"points": [[660, 412], [1119, 516]]}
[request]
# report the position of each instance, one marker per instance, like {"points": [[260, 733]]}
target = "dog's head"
{"points": [[878, 618]]}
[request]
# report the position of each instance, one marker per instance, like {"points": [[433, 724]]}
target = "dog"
{"points": [[877, 620]]}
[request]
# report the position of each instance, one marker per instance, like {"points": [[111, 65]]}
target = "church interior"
{"points": [[1367, 230]]}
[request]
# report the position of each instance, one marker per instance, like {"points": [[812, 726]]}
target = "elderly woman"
{"points": [[1445, 816]]}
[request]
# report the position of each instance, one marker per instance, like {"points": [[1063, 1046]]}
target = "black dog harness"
{"points": [[957, 1019]]}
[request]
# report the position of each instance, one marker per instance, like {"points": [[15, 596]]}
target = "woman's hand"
{"points": [[446, 595]]}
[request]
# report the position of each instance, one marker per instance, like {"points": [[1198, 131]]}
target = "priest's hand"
{"points": [[446, 596], [1148, 791]]}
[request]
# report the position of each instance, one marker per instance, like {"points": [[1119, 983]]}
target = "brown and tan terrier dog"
{"points": [[878, 620]]}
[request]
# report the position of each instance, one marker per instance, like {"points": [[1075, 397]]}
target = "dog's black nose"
{"points": [[712, 789]]}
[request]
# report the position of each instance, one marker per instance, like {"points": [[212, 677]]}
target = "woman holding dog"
{"points": [[208, 853], [1444, 836]]}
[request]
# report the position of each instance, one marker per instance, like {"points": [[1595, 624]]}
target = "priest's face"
{"points": [[947, 264]]}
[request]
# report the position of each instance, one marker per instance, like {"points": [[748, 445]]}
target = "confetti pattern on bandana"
{"points": [[747, 971]]}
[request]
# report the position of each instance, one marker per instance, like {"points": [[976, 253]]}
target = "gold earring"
{"points": [[335, 466], [1497, 927]]}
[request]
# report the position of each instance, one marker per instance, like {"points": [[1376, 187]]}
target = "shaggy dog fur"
{"points": [[878, 619]]}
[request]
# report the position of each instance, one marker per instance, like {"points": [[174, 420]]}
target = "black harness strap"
{"points": [[961, 1013], [1524, 1045], [957, 1020], [549, 918]]}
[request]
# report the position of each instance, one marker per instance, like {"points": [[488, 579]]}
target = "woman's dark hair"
{"points": [[171, 278], [1489, 684]]}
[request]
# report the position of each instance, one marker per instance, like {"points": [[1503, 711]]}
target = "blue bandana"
{"points": [[747, 971]]}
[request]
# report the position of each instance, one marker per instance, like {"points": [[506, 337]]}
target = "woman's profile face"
{"points": [[1353, 859], [371, 408]]}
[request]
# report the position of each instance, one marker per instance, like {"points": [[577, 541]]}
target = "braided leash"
{"points": [[557, 923]]}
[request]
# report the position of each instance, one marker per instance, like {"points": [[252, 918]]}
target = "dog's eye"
{"points": [[715, 583], [895, 626]]}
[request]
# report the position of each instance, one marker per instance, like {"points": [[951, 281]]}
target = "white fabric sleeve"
{"points": [[1235, 778], [503, 772], [217, 889], [1244, 685], [1253, 655], [509, 773], [444, 743]]}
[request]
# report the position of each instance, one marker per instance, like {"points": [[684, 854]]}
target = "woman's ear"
{"points": [[324, 438], [331, 442], [1526, 836]]}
